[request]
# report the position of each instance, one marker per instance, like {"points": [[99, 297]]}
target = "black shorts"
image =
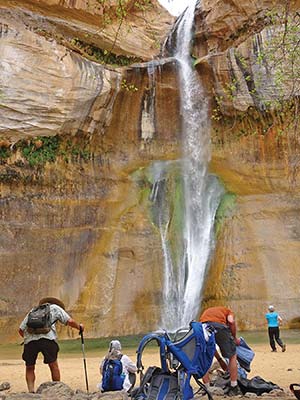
{"points": [[224, 339], [49, 349]]}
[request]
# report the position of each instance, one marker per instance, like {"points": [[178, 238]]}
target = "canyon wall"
{"points": [[256, 155], [77, 134]]}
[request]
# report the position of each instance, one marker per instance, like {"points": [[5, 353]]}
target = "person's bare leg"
{"points": [[30, 377], [232, 367], [55, 372]]}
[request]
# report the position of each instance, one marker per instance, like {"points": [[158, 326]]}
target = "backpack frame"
{"points": [[189, 357]]}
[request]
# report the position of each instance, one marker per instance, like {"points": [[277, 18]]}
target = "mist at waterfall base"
{"points": [[185, 196]]}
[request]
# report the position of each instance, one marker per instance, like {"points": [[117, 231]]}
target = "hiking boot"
{"points": [[274, 351], [233, 391], [283, 349]]}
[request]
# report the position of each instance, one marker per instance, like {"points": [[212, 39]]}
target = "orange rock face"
{"points": [[77, 226]]}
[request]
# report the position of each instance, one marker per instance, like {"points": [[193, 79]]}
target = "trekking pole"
{"points": [[84, 360]]}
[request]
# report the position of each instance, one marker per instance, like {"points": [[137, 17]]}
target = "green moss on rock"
{"points": [[226, 206]]}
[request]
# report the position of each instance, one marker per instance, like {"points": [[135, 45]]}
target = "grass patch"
{"points": [[93, 346], [96, 344], [72, 347]]}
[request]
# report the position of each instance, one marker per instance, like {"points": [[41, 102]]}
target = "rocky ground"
{"points": [[279, 368], [61, 391]]}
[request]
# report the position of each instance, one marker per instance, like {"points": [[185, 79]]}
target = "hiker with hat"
{"points": [[39, 333], [222, 320], [274, 320], [118, 370]]}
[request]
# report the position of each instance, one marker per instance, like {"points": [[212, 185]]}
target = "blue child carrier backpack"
{"points": [[112, 375], [181, 360]]}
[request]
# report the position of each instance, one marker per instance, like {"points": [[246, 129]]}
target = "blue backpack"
{"points": [[112, 375], [181, 360]]}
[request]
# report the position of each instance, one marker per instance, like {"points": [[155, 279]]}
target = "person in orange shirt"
{"points": [[222, 320]]}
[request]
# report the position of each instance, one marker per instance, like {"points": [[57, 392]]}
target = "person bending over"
{"points": [[222, 320]]}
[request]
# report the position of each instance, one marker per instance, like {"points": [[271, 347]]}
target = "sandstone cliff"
{"points": [[75, 135], [256, 154]]}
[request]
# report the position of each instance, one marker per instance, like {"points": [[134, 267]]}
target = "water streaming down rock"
{"points": [[167, 196], [148, 127], [183, 280]]}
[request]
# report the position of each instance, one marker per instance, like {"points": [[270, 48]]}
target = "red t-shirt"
{"points": [[216, 314]]}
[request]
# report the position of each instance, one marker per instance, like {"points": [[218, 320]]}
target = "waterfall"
{"points": [[184, 277]]}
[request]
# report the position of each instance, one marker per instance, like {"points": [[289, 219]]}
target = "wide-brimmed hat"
{"points": [[52, 300]]}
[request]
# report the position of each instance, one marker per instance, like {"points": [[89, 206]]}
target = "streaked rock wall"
{"points": [[78, 228]]}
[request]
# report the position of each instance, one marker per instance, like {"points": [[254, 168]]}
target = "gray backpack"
{"points": [[157, 385], [39, 319]]}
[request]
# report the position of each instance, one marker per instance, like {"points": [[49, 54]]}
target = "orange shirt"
{"points": [[216, 314]]}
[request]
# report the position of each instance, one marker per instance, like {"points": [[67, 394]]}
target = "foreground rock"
{"points": [[4, 386], [61, 391]]}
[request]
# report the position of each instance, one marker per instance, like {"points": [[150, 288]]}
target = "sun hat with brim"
{"points": [[52, 300]]}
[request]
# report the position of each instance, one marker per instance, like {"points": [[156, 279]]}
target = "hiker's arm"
{"points": [[130, 365], [71, 322], [21, 332], [232, 327], [279, 319]]}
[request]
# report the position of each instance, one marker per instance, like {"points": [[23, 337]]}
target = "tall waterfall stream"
{"points": [[187, 255]]}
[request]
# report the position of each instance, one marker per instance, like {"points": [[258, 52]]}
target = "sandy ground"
{"points": [[280, 368]]}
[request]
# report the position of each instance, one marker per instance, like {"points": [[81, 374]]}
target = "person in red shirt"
{"points": [[222, 320]]}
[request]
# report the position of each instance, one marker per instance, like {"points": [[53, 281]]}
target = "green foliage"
{"points": [[40, 150], [281, 53], [75, 150], [4, 153], [103, 56], [83, 154], [216, 111], [143, 5], [276, 62], [122, 9], [113, 11], [128, 86]]}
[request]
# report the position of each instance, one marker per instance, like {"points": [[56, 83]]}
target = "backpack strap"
{"points": [[161, 342], [145, 380]]}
